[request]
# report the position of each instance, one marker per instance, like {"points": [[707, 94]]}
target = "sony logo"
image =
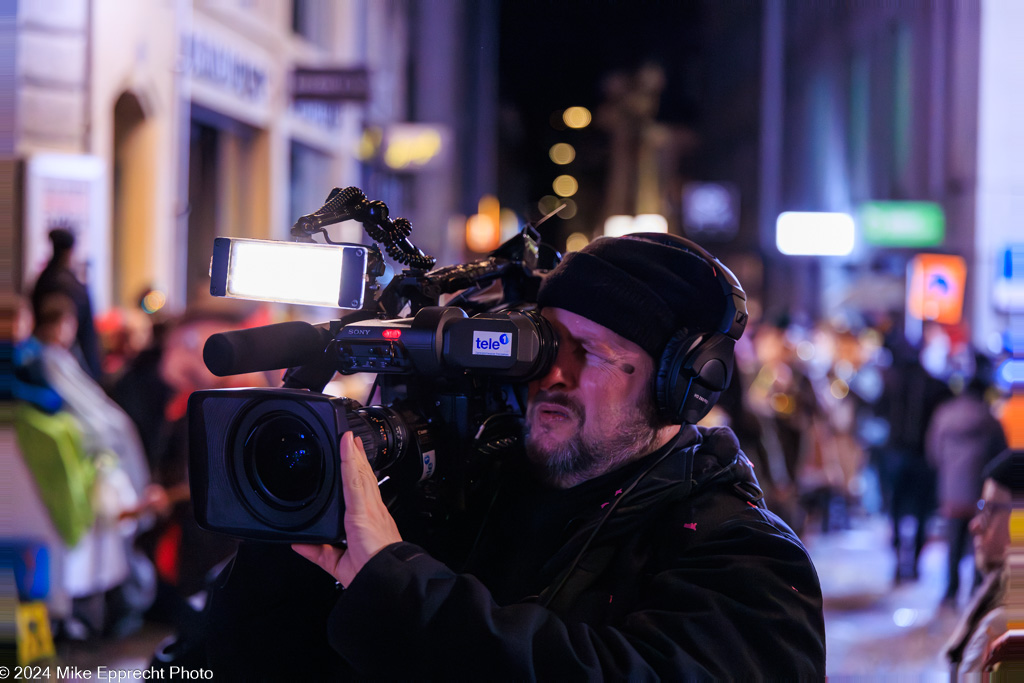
{"points": [[356, 331]]}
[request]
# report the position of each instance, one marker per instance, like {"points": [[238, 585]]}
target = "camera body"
{"points": [[264, 462], [448, 399]]}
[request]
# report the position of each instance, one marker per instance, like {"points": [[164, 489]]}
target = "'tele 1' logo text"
{"points": [[492, 344]]}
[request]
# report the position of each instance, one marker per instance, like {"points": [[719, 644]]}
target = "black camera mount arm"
{"points": [[518, 264], [351, 204]]}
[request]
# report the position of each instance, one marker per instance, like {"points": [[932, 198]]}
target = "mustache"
{"points": [[559, 399]]}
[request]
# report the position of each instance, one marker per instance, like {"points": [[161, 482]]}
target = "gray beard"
{"points": [[580, 459]]}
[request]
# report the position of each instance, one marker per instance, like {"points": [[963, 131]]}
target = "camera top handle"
{"points": [[351, 204]]}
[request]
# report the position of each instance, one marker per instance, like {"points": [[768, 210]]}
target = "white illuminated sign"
{"points": [[807, 233]]}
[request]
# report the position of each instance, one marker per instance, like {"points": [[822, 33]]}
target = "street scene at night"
{"points": [[513, 339]]}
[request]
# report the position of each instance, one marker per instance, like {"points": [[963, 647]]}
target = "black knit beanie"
{"points": [[1007, 470], [644, 287]]}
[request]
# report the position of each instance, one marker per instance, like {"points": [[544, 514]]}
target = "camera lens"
{"points": [[284, 460]]}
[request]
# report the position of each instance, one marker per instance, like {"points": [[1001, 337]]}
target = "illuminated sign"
{"points": [[902, 224], [814, 233], [1008, 293], [414, 146], [711, 210], [935, 289]]}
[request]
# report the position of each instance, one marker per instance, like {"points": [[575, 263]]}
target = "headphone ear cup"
{"points": [[670, 382], [692, 374]]}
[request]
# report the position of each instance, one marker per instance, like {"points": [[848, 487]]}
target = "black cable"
{"points": [[611, 508]]}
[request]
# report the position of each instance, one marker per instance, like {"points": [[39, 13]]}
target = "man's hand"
{"points": [[369, 526]]}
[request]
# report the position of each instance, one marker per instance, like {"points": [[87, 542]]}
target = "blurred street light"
{"points": [[565, 186], [577, 117]]}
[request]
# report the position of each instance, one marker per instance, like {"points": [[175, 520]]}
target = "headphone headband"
{"points": [[695, 368]]}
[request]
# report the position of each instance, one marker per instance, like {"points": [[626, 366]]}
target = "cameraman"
{"points": [[628, 547]]}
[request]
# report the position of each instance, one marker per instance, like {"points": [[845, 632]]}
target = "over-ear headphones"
{"points": [[696, 365]]}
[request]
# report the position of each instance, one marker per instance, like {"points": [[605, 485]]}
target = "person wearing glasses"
{"points": [[984, 620]]}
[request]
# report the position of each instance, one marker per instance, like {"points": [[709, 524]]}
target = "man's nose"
{"points": [[561, 375], [974, 526]]}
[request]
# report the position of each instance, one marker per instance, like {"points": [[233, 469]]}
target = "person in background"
{"points": [[908, 401], [962, 437], [58, 277], [782, 399], [154, 389], [112, 584], [48, 359], [984, 620]]}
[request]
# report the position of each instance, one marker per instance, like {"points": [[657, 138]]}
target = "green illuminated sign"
{"points": [[903, 224]]}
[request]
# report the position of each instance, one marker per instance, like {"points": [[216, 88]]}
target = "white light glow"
{"points": [[617, 226], [650, 222], [805, 233], [1011, 372], [905, 617], [291, 272]]}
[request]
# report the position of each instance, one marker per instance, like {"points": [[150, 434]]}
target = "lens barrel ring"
{"points": [[276, 496]]}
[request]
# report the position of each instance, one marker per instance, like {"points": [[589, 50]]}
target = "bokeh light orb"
{"points": [[547, 204], [569, 211], [576, 241], [577, 117], [565, 186], [562, 153]]}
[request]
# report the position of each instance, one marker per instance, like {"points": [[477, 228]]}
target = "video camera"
{"points": [[450, 379]]}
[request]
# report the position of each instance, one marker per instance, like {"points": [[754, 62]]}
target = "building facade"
{"points": [[152, 127]]}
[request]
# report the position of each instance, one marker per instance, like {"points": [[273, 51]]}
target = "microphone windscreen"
{"points": [[271, 347]]}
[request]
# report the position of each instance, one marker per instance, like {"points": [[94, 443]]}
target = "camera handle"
{"points": [[351, 204]]}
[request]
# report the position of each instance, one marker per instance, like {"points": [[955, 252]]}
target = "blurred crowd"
{"points": [[841, 419], [100, 421], [848, 418]]}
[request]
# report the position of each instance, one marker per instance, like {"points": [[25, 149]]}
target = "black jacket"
{"points": [[640, 574]]}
